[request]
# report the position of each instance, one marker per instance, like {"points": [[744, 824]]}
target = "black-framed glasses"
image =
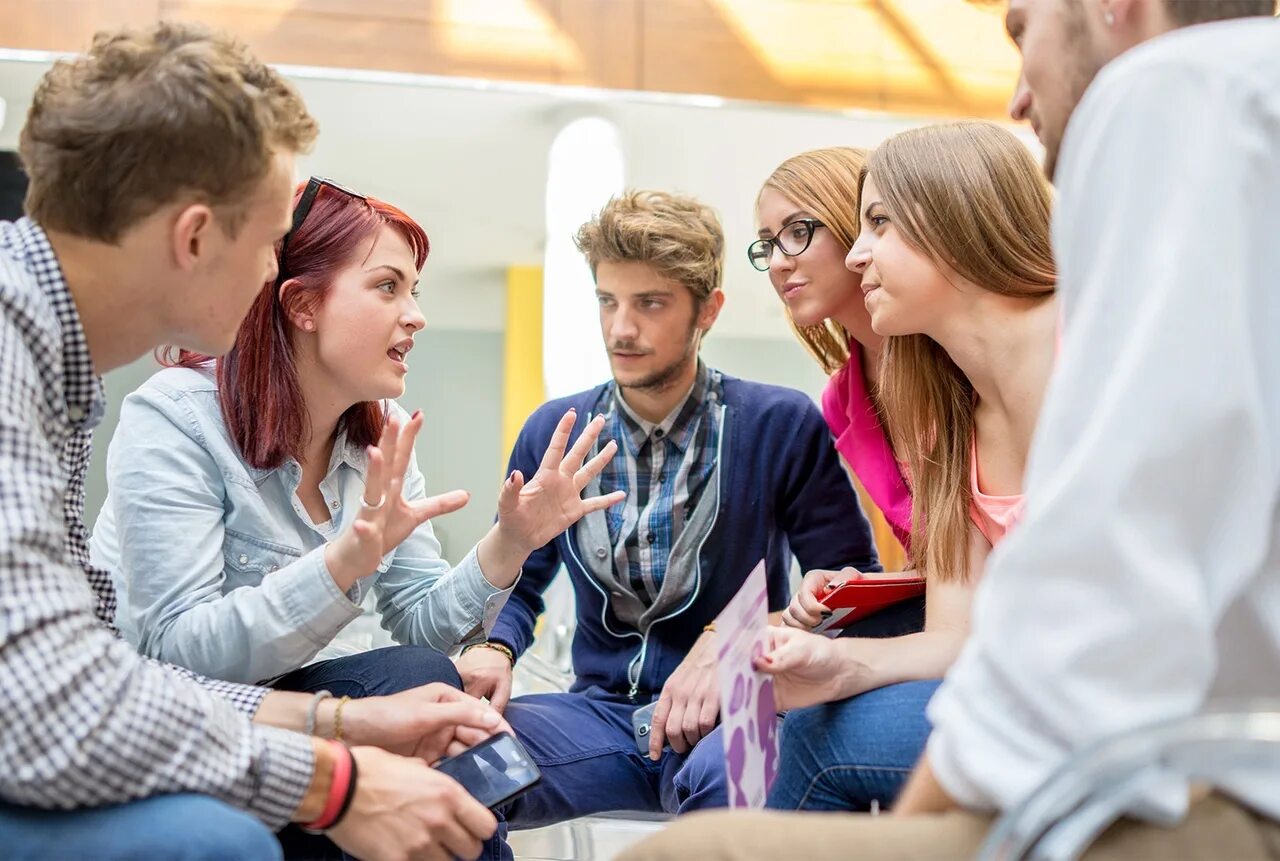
{"points": [[303, 209], [792, 240]]}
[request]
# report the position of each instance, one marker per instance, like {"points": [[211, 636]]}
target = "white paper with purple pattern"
{"points": [[749, 718]]}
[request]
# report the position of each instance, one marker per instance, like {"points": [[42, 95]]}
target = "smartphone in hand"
{"points": [[642, 726], [496, 771]]}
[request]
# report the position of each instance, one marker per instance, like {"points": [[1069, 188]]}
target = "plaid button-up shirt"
{"points": [[84, 720], [663, 468]]}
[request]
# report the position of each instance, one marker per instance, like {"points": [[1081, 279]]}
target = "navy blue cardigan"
{"points": [[783, 490]]}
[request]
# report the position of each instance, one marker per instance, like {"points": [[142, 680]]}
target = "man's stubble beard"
{"points": [[662, 379]]}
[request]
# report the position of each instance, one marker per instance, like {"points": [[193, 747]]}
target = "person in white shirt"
{"points": [[1143, 583]]}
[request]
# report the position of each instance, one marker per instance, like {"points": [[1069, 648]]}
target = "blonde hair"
{"points": [[972, 198], [120, 131], [679, 237], [825, 183]]}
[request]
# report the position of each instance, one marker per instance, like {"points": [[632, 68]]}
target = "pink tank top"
{"points": [[996, 515], [859, 437], [993, 515]]}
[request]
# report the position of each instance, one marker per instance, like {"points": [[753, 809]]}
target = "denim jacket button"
{"points": [[601, 553], [334, 505], [244, 560]]}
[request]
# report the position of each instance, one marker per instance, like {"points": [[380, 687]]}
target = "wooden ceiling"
{"points": [[946, 57]]}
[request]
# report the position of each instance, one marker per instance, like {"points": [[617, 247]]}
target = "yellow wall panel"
{"points": [[523, 389]]}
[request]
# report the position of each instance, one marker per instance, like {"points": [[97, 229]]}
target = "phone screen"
{"points": [[494, 771]]}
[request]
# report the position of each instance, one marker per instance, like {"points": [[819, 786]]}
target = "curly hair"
{"points": [[678, 236]]}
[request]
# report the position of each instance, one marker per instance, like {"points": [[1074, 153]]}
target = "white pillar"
{"points": [[586, 169]]}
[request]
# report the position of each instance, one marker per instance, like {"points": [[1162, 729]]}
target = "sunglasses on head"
{"points": [[303, 209]]}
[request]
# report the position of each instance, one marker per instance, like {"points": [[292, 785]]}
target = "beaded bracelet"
{"points": [[311, 710]]}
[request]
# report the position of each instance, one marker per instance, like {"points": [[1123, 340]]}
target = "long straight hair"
{"points": [[258, 386], [972, 199], [825, 183]]}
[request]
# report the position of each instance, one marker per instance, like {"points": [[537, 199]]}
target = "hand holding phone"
{"points": [[496, 771], [642, 726], [401, 801]]}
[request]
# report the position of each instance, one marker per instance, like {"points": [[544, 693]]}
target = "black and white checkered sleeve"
{"points": [[245, 698], [86, 721]]}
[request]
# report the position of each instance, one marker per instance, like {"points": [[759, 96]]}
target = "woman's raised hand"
{"points": [[386, 518]]}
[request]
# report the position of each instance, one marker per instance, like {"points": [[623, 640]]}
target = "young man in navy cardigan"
{"points": [[719, 473]]}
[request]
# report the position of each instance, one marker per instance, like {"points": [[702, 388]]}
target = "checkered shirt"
{"points": [[663, 468], [84, 720]]}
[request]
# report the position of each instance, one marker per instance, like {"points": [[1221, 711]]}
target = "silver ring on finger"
{"points": [[368, 506]]}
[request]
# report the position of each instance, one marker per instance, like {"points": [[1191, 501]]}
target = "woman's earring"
{"points": [[308, 326]]}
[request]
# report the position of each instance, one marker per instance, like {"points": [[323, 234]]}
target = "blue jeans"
{"points": [[373, 674], [846, 754], [585, 748], [177, 827], [843, 755], [369, 674]]}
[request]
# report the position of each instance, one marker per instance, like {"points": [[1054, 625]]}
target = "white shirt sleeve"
{"points": [[1151, 489]]}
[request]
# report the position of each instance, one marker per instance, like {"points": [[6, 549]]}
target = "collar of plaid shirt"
{"points": [[82, 391], [677, 427]]}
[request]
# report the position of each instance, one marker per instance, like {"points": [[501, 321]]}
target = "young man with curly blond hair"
{"points": [[719, 473]]}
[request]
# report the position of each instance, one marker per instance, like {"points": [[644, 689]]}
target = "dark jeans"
{"points": [[369, 674], [373, 674], [585, 748]]}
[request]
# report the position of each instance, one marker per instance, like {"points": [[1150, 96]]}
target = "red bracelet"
{"points": [[342, 768]]}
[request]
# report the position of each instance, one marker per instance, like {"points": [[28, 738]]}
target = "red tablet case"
{"points": [[857, 599]]}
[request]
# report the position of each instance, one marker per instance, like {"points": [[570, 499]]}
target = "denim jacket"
{"points": [[220, 568]]}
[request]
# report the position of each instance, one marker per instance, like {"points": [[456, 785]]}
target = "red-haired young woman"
{"points": [[254, 501]]}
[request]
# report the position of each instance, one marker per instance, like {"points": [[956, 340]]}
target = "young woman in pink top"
{"points": [[954, 267], [808, 217]]}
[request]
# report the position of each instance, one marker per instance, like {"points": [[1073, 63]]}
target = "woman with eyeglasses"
{"points": [[256, 500], [943, 301], [807, 212], [808, 217]]}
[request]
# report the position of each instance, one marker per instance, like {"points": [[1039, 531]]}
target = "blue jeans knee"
{"points": [[376, 673], [700, 781], [849, 754], [408, 667]]}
